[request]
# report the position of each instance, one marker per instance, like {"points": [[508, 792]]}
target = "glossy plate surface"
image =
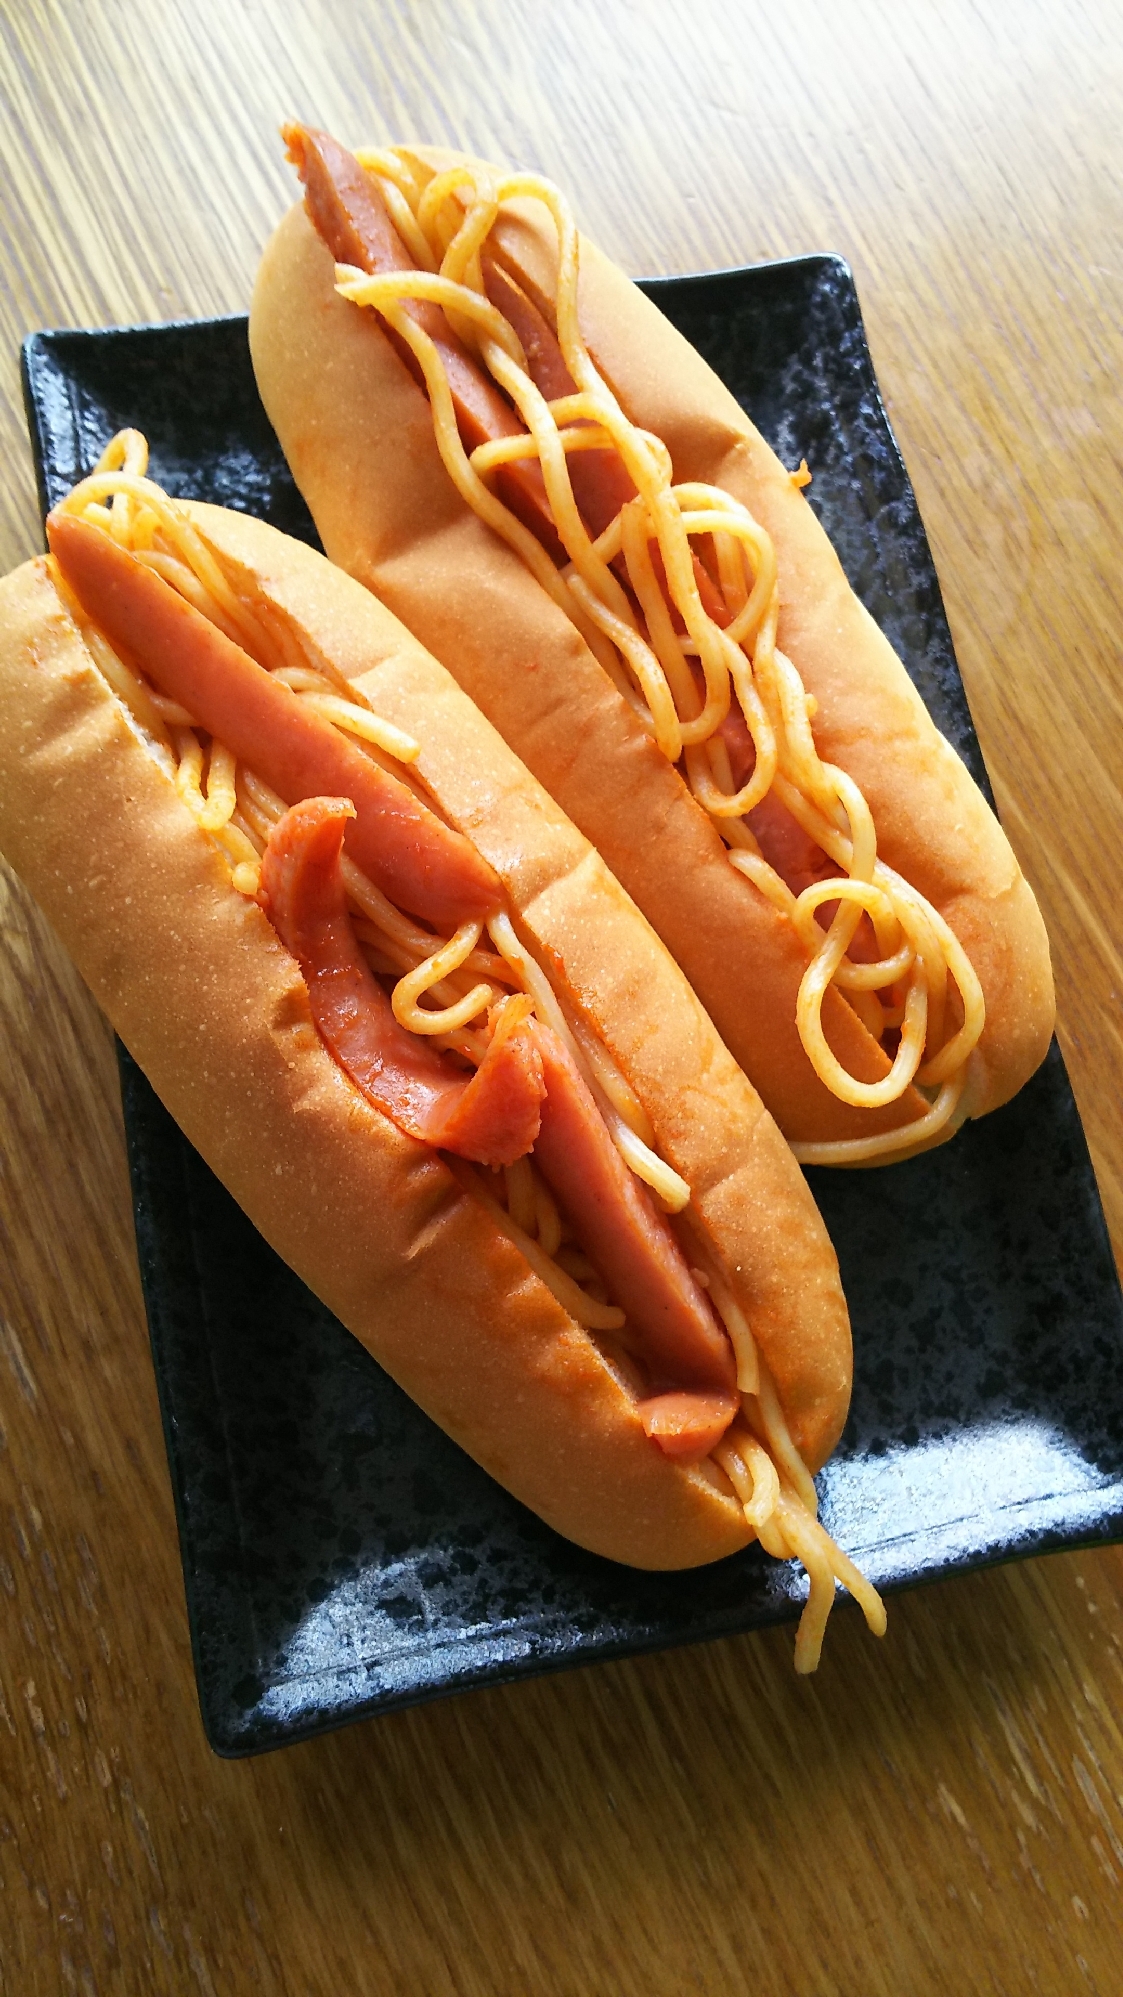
{"points": [[341, 1557]]}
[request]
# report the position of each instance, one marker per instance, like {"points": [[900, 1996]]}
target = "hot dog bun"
{"points": [[357, 431], [196, 982]]}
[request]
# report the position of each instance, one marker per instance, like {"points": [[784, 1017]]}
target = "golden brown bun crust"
{"points": [[344, 405], [197, 984]]}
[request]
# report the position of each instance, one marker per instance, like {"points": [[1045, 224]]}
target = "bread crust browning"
{"points": [[196, 982], [344, 404]]}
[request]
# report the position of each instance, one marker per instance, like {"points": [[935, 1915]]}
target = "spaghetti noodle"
{"points": [[680, 667]]}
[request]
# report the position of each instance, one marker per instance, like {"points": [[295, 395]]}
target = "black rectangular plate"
{"points": [[341, 1556]]}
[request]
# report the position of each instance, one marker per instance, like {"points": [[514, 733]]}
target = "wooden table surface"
{"points": [[941, 1812]]}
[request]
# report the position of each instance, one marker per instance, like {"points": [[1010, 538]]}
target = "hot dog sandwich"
{"points": [[400, 1006]]}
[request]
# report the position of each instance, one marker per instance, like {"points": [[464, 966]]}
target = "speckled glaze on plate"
{"points": [[342, 1557]]}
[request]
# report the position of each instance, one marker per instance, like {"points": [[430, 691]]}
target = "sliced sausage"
{"points": [[418, 861]]}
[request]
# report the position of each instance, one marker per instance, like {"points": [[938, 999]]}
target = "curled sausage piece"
{"points": [[526, 1091], [527, 1088], [687, 1426], [421, 863], [491, 1116]]}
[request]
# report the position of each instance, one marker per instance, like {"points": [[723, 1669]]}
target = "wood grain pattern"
{"points": [[943, 1811]]}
